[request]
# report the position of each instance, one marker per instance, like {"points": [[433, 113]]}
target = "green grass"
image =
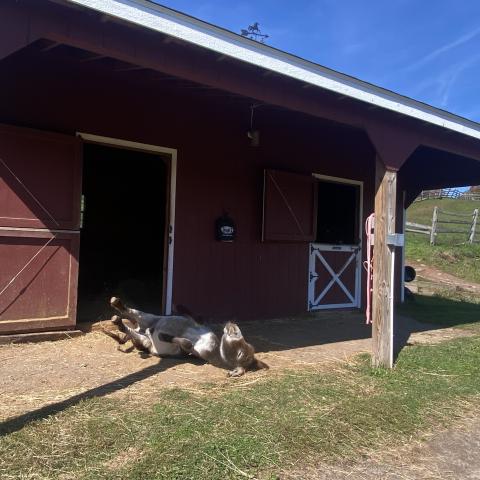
{"points": [[253, 427], [421, 212], [448, 310], [460, 260]]}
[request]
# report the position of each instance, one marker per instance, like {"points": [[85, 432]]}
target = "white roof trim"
{"points": [[175, 24]]}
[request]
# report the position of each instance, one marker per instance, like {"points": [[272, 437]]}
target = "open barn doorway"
{"points": [[336, 254], [124, 239]]}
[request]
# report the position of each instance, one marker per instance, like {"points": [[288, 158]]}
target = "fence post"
{"points": [[434, 226], [474, 226]]}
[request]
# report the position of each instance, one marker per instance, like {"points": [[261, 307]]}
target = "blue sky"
{"points": [[425, 49]]}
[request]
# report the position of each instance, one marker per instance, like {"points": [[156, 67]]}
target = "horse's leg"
{"points": [[162, 346], [185, 344], [140, 340], [120, 340], [144, 320], [172, 325]]}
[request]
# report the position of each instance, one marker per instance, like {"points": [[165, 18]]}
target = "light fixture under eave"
{"points": [[252, 134]]}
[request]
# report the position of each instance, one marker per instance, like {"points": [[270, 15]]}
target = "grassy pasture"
{"points": [[462, 260]]}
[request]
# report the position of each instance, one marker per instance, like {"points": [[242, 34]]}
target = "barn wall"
{"points": [[217, 170]]}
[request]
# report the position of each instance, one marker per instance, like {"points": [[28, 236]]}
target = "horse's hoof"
{"points": [[117, 304]]}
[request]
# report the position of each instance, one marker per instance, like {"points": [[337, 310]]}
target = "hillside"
{"points": [[448, 254]]}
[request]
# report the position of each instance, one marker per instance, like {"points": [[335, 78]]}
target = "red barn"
{"points": [[133, 137]]}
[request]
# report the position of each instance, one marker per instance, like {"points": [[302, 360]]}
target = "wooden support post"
{"points": [[471, 238], [433, 231], [383, 267], [402, 263]]}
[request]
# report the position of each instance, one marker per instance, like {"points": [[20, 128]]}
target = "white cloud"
{"points": [[441, 50], [439, 87]]}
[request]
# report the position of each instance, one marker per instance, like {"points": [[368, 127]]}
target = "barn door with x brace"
{"points": [[334, 276], [40, 188]]}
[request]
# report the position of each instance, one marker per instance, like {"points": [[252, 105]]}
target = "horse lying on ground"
{"points": [[173, 335]]}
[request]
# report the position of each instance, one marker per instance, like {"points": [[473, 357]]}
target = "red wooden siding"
{"points": [[217, 170], [289, 207], [39, 212], [39, 179]]}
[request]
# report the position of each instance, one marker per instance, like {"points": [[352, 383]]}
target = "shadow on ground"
{"points": [[423, 313], [443, 311], [426, 312], [17, 423]]}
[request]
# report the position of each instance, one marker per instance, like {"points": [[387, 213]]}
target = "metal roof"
{"points": [[178, 25]]}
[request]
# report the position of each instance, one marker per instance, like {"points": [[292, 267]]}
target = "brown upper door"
{"points": [[290, 207], [40, 190]]}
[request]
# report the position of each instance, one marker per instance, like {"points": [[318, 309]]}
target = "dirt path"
{"points": [[36, 375], [441, 279], [446, 455]]}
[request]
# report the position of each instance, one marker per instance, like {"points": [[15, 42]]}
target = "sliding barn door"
{"points": [[40, 189]]}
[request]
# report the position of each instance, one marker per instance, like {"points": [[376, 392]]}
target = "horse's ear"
{"points": [[259, 365]]}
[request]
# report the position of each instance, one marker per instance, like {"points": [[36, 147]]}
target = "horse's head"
{"points": [[238, 354]]}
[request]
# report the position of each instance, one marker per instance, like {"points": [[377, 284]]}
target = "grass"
{"points": [[446, 309], [460, 260], [421, 212], [252, 428]]}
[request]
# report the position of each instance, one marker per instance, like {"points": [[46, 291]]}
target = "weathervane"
{"points": [[253, 32]]}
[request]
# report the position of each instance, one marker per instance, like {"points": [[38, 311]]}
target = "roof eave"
{"points": [[191, 30]]}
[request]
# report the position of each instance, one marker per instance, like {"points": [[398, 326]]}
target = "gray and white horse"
{"points": [[173, 335]]}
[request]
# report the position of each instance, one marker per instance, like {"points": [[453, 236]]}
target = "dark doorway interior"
{"points": [[122, 243], [338, 213]]}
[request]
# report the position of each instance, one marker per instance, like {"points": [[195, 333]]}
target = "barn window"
{"points": [[337, 213], [290, 202]]}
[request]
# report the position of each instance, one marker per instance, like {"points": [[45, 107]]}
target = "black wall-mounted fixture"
{"points": [[225, 230]]}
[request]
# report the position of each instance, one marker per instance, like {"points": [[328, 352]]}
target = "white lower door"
{"points": [[334, 276]]}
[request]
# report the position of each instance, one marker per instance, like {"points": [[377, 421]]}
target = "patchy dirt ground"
{"points": [[41, 375], [34, 375], [451, 454]]}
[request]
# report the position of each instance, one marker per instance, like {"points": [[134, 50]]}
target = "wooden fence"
{"points": [[453, 224], [470, 196], [447, 193]]}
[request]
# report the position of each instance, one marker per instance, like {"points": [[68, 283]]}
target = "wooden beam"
{"points": [[15, 32], [129, 68], [383, 266], [393, 144], [50, 46], [92, 58]]}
